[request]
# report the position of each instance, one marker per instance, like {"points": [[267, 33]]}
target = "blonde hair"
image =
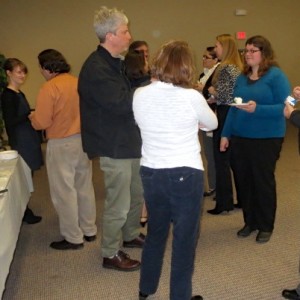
{"points": [[231, 54], [173, 63]]}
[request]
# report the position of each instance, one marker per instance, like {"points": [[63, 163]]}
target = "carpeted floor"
{"points": [[226, 267]]}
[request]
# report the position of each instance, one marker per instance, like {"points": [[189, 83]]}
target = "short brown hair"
{"points": [[53, 61], [173, 63], [11, 63]]}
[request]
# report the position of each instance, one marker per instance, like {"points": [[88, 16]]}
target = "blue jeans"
{"points": [[171, 195]]}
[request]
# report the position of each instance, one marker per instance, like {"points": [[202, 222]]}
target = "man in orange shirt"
{"points": [[68, 167]]}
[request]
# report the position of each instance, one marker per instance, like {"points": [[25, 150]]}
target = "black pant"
{"points": [[255, 162], [224, 196]]}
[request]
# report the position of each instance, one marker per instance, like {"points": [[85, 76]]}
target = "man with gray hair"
{"points": [[109, 132]]}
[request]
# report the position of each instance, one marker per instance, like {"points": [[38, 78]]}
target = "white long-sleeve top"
{"points": [[169, 119]]}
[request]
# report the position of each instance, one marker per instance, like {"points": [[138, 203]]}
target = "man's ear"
{"points": [[108, 36]]}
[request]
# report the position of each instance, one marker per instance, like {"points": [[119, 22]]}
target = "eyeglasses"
{"points": [[206, 57], [250, 51]]}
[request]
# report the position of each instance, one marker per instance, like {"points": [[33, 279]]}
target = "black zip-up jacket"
{"points": [[108, 127]]}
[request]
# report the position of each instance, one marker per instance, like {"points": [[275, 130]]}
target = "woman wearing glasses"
{"points": [[210, 63], [222, 90], [255, 131]]}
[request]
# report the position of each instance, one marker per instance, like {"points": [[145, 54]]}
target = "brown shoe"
{"points": [[136, 243], [121, 262]]}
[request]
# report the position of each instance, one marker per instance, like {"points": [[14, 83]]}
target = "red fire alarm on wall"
{"points": [[241, 35]]}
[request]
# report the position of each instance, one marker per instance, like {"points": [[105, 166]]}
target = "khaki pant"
{"points": [[71, 188], [123, 203]]}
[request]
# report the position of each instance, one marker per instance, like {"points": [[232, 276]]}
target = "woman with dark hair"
{"points": [[210, 63], [21, 135], [256, 129], [137, 72], [68, 167], [169, 113], [136, 69], [141, 47]]}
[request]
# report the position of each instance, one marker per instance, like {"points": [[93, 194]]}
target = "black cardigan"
{"points": [[21, 135]]}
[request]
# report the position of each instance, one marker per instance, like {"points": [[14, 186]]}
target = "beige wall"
{"points": [[30, 26]]}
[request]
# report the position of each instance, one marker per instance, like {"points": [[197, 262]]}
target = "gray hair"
{"points": [[108, 20]]}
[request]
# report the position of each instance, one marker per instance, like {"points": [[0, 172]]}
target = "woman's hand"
{"points": [[296, 92], [249, 107], [212, 90], [224, 144], [199, 86], [288, 109], [211, 100]]}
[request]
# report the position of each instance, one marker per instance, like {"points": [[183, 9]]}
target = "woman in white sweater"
{"points": [[169, 113]]}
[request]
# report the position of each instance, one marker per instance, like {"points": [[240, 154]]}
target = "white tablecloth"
{"points": [[15, 176]]}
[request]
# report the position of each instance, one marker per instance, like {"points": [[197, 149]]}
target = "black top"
{"points": [[207, 85], [141, 81], [295, 119], [21, 135], [108, 127]]}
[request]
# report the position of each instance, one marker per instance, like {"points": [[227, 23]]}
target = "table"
{"points": [[15, 176]]}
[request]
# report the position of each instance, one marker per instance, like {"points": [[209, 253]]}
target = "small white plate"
{"points": [[10, 154], [236, 104]]}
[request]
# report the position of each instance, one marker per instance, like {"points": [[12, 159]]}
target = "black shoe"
{"points": [[263, 236], [197, 297], [136, 243], [245, 231], [290, 294], [216, 211], [238, 206], [209, 193], [145, 296], [142, 296], [65, 245], [89, 238], [30, 218]]}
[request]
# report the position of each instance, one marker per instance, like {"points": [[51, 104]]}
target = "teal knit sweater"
{"points": [[269, 92]]}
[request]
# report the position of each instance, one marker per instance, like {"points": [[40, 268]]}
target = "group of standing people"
{"points": [[145, 135], [250, 134], [248, 140]]}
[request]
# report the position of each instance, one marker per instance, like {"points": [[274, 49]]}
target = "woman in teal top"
{"points": [[255, 131]]}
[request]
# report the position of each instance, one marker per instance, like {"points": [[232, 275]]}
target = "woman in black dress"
{"points": [[21, 135], [137, 71]]}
